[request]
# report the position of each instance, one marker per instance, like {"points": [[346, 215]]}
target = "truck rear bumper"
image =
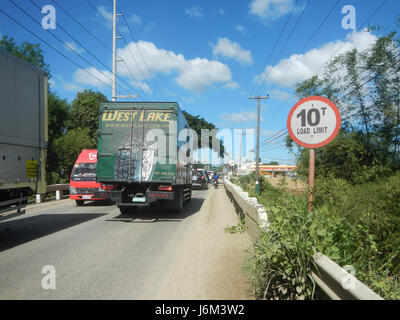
{"points": [[150, 197], [85, 197]]}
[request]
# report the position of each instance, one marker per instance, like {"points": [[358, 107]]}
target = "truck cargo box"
{"points": [[140, 154], [23, 127], [138, 142]]}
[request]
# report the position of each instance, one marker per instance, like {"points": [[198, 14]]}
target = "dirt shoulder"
{"points": [[209, 262], [295, 186]]}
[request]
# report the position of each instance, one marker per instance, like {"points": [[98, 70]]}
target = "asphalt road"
{"points": [[98, 253]]}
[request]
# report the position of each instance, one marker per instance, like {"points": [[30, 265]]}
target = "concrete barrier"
{"points": [[254, 214]]}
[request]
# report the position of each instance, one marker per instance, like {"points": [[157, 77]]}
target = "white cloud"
{"points": [[195, 12], [72, 47], [195, 74], [134, 18], [72, 87], [281, 95], [300, 67], [96, 78], [240, 29], [106, 16], [142, 85], [233, 50], [231, 85], [271, 10], [221, 12], [243, 116], [62, 84]]}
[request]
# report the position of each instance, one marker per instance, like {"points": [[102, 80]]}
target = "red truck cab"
{"points": [[83, 178]]}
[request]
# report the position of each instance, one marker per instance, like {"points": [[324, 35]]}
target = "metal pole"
{"points": [[258, 147], [241, 148], [311, 174], [258, 141], [114, 84]]}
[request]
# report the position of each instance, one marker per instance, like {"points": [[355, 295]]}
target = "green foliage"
{"points": [[240, 227], [275, 163], [71, 144], [353, 225], [197, 124], [346, 157], [58, 114], [283, 254], [27, 51], [86, 111], [369, 143]]}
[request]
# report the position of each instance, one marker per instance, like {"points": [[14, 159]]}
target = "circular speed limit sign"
{"points": [[313, 122]]}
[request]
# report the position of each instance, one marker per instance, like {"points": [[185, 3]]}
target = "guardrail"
{"points": [[20, 203], [334, 280], [58, 188]]}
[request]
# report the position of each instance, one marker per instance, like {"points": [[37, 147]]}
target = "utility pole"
{"points": [[241, 147], [114, 84], [258, 98], [114, 67]]}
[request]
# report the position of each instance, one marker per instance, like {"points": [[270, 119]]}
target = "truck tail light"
{"points": [[165, 188], [202, 177], [106, 186]]}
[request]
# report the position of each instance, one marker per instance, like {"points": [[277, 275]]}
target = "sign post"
{"points": [[312, 123]]}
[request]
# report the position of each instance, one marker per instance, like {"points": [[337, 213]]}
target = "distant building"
{"points": [[269, 169]]}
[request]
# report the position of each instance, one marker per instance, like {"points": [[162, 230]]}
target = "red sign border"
{"points": [[326, 141]]}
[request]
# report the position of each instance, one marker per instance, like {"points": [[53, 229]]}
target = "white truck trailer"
{"points": [[23, 131]]}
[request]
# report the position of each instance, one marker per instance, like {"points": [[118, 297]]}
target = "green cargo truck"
{"points": [[144, 155]]}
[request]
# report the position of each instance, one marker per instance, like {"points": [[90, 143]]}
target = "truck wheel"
{"points": [[178, 202], [79, 203]]}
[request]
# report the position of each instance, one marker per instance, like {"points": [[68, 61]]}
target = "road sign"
{"points": [[313, 122]]}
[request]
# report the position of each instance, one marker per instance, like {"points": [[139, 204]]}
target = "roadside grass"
{"points": [[353, 225]]}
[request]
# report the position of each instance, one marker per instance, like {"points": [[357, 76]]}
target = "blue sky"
{"points": [[209, 56]]}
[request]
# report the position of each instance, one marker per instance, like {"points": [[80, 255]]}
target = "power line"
{"points": [[334, 54], [140, 53], [81, 45], [312, 37], [58, 39], [49, 45], [276, 43], [131, 73], [320, 26], [293, 29]]}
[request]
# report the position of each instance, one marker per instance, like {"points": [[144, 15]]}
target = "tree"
{"points": [[70, 145], [366, 88], [86, 111], [58, 115], [197, 124], [27, 51]]}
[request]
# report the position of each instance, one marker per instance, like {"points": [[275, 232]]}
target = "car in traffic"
{"points": [[199, 179]]}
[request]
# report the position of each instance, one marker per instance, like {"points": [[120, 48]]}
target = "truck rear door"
{"points": [[125, 152]]}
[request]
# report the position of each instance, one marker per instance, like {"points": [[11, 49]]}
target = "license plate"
{"points": [[139, 199], [86, 197]]}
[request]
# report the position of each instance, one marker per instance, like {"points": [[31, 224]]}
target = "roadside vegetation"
{"points": [[352, 225], [356, 216]]}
